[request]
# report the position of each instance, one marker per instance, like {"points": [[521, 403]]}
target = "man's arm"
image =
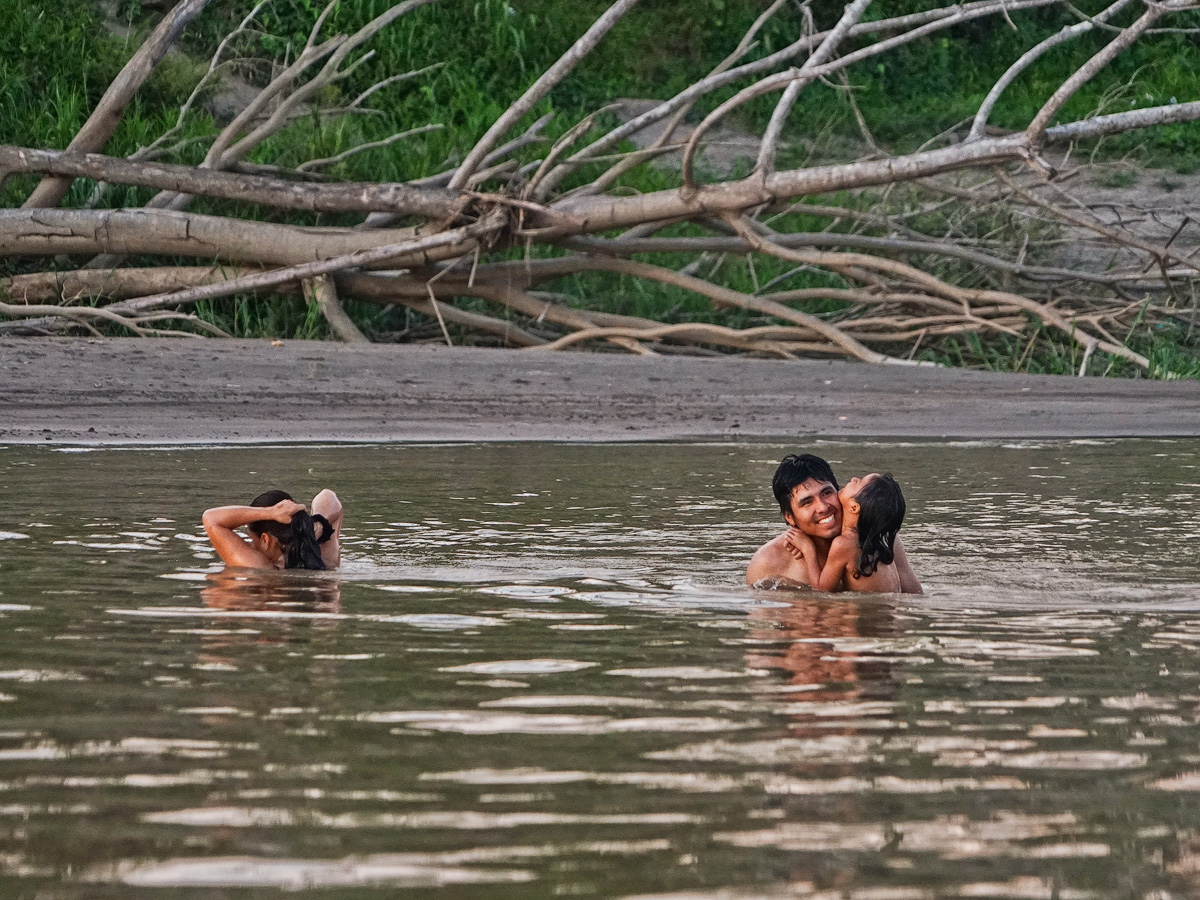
{"points": [[909, 583]]}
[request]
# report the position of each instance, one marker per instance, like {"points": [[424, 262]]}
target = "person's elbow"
{"points": [[217, 522], [327, 503]]}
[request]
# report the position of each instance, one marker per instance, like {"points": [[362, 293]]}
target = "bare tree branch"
{"points": [[770, 141], [50, 232], [1068, 33], [323, 292], [845, 260], [104, 118], [363, 148], [389, 253], [214, 66], [964, 12], [399, 199], [1088, 71], [540, 89], [1116, 123]]}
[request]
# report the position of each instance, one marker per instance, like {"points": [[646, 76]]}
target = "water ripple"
{"points": [[521, 667], [466, 820], [482, 722], [391, 870], [683, 672]]}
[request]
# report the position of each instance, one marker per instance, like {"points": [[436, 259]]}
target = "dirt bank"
{"points": [[131, 391]]}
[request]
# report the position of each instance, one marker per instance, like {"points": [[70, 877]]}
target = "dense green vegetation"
{"points": [[57, 64]]}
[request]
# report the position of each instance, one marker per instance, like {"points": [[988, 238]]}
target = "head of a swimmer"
{"points": [[807, 492], [873, 506], [295, 542]]}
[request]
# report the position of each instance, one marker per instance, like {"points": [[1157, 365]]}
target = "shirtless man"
{"points": [[807, 492]]}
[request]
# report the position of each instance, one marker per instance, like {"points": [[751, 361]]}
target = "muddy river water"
{"points": [[539, 675]]}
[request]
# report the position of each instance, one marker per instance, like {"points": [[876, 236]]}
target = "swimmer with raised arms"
{"points": [[283, 535]]}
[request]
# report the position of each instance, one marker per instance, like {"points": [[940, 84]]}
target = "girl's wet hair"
{"points": [[880, 514], [298, 538]]}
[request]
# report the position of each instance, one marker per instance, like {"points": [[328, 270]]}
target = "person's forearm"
{"points": [[234, 550], [328, 505], [812, 569], [841, 553], [829, 576], [231, 517]]}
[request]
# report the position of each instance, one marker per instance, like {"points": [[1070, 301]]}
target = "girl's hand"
{"points": [[799, 544], [283, 511]]}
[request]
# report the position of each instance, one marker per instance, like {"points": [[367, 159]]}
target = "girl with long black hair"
{"points": [[863, 556], [283, 535]]}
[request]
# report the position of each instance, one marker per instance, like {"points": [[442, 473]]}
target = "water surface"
{"points": [[539, 675]]}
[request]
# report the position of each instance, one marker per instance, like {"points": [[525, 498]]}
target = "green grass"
{"points": [[906, 95], [491, 50], [1169, 347], [1117, 178], [1186, 163]]}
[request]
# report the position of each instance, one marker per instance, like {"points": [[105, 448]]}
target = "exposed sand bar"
{"points": [[164, 391]]}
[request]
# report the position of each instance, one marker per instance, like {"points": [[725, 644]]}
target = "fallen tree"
{"points": [[520, 213]]}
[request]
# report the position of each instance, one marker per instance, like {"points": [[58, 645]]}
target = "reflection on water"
{"points": [[251, 590], [538, 674], [799, 637]]}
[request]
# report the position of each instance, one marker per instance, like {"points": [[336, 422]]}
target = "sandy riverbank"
{"points": [[139, 391]]}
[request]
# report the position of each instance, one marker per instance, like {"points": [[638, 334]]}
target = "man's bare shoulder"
{"points": [[772, 561]]}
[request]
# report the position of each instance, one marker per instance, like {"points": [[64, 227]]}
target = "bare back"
{"points": [[843, 559], [884, 580]]}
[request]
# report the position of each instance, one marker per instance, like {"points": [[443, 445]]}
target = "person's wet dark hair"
{"points": [[880, 514], [298, 538], [796, 469]]}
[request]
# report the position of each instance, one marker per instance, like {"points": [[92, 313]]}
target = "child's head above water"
{"points": [[873, 506]]}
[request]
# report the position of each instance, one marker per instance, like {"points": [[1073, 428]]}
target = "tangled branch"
{"points": [[958, 238]]}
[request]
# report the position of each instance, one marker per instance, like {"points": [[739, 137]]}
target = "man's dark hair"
{"points": [[797, 469], [298, 538], [880, 514]]}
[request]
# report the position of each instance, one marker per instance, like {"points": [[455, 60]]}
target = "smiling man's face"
{"points": [[815, 509]]}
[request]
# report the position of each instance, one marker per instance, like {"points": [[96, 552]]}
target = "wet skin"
{"points": [[814, 510]]}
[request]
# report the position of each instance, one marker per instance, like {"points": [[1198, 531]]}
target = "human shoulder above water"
{"points": [[283, 534], [807, 492]]}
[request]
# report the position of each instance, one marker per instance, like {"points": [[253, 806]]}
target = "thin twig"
{"points": [[539, 89]]}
